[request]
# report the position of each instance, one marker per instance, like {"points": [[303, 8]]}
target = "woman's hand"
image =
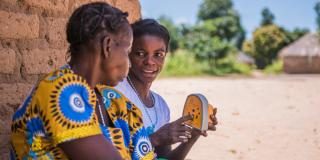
{"points": [[211, 125], [172, 133]]}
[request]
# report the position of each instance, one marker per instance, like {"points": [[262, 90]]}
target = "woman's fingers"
{"points": [[183, 119], [182, 137], [184, 128], [204, 133], [212, 127], [214, 120]]}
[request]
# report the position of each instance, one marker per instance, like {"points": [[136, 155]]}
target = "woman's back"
{"points": [[60, 108]]}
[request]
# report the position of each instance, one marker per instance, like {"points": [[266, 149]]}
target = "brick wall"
{"points": [[32, 42]]}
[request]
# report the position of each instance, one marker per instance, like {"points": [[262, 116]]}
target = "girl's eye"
{"points": [[140, 54], [158, 54]]}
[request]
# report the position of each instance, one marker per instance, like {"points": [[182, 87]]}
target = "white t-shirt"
{"points": [[159, 113]]}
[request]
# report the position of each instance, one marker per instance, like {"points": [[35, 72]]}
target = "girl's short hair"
{"points": [[89, 20], [151, 27]]}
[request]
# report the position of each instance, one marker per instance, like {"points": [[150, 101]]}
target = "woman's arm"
{"points": [[94, 147], [183, 149], [180, 152]]}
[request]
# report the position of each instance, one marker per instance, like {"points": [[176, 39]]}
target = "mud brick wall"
{"points": [[32, 43]]}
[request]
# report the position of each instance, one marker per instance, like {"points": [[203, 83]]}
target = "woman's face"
{"points": [[147, 57], [116, 65]]}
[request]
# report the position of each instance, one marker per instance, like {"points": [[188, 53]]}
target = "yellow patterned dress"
{"points": [[62, 108], [128, 134]]}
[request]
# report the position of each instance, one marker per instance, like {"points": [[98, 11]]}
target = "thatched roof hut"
{"points": [[303, 55]]}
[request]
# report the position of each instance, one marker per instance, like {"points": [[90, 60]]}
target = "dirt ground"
{"points": [[264, 118]]}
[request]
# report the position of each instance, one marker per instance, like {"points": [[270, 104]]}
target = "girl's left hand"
{"points": [[211, 127]]}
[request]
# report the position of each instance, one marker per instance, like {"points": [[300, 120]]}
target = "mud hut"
{"points": [[303, 55]]}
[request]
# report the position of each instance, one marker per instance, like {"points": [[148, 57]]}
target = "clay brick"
{"points": [[6, 113], [18, 26], [7, 60], [39, 61], [5, 136], [51, 5], [23, 90], [56, 30], [132, 7], [14, 94], [8, 94], [9, 1], [78, 3]]}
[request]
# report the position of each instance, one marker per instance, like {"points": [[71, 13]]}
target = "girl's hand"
{"points": [[172, 133]]}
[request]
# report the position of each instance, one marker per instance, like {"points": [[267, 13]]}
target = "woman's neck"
{"points": [[86, 69]]}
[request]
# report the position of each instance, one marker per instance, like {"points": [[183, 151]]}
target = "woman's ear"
{"points": [[106, 45]]}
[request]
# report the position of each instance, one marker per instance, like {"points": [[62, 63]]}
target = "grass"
{"points": [[275, 68], [183, 63]]}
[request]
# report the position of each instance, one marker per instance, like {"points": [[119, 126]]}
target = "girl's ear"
{"points": [[106, 45]]}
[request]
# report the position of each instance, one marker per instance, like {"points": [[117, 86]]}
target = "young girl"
{"points": [[64, 117], [149, 50]]}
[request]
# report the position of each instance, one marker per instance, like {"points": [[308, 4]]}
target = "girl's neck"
{"points": [[141, 87]]}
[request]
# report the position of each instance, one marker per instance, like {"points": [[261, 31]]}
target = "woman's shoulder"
{"points": [[61, 87], [62, 79], [112, 95], [110, 92]]}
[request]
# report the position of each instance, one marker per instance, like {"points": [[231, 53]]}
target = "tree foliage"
{"points": [[267, 17], [265, 44]]}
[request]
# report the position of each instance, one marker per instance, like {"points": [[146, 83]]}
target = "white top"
{"points": [[160, 107]]}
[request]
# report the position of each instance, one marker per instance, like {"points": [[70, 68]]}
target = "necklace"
{"points": [[101, 115], [144, 105]]}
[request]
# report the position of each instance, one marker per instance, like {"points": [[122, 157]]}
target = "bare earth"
{"points": [[266, 118]]}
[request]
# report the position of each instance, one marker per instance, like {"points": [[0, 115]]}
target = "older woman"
{"points": [[66, 116], [149, 49]]}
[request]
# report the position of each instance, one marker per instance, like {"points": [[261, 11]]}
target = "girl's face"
{"points": [[116, 66], [147, 57]]}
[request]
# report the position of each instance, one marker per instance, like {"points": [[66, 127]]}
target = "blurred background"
{"points": [[219, 37], [258, 62]]}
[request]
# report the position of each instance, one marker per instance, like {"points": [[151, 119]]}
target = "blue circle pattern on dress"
{"points": [[142, 144], [109, 94], [120, 123], [74, 103], [34, 128]]}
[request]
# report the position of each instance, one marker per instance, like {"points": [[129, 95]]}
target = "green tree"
{"points": [[175, 33], [217, 33], [226, 20], [297, 33], [211, 9], [265, 45], [207, 47], [267, 17]]}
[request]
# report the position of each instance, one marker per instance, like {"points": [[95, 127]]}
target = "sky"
{"points": [[288, 13]]}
